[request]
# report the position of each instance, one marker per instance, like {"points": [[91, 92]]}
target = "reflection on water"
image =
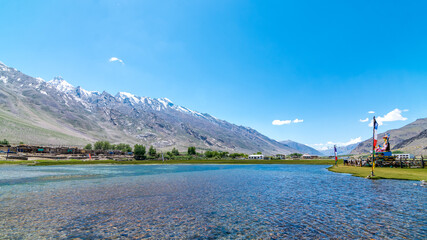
{"points": [[205, 202]]}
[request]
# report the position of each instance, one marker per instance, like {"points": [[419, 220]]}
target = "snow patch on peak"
{"points": [[82, 93], [189, 111], [39, 79], [4, 79], [166, 102], [60, 84], [4, 68], [125, 95]]}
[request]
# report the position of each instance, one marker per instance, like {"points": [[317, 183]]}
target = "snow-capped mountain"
{"points": [[61, 85], [55, 112]]}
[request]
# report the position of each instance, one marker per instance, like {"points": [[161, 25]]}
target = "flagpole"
{"points": [[336, 157], [373, 147]]}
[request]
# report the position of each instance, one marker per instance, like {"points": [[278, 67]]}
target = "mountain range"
{"points": [[302, 148], [54, 112], [341, 150]]}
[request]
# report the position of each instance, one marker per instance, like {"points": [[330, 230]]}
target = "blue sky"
{"points": [[248, 62]]}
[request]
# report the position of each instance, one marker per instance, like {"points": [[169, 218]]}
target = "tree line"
{"points": [[6, 142], [140, 152]]}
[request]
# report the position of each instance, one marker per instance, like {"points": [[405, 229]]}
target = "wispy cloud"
{"points": [[364, 120], [395, 115], [281, 122], [114, 59], [330, 144], [371, 112]]}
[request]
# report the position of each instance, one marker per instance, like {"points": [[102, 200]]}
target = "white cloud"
{"points": [[352, 141], [330, 144], [281, 122], [114, 59], [317, 144], [364, 120], [298, 120], [371, 112], [405, 110], [395, 115]]}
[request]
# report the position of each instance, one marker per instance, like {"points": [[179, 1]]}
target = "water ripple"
{"points": [[207, 202]]}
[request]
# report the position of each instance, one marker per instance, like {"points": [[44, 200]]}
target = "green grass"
{"points": [[195, 161], [383, 173]]}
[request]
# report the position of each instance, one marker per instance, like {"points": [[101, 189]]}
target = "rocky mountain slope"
{"points": [[416, 145], [56, 113], [302, 148], [400, 139]]}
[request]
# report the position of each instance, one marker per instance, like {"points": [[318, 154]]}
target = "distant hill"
{"points": [[302, 148], [341, 150], [416, 145], [407, 138]]}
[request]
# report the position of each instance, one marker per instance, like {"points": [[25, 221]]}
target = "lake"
{"points": [[205, 202]]}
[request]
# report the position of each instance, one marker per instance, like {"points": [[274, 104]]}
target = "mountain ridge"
{"points": [[55, 112], [341, 150], [302, 148]]}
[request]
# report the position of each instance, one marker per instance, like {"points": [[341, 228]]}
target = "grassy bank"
{"points": [[194, 161], [388, 173]]}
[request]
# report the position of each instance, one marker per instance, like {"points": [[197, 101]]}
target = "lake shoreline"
{"points": [[172, 162], [381, 173], [415, 174]]}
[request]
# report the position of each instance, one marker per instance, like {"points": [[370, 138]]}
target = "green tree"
{"points": [[175, 152], [98, 145], [123, 147], [128, 148], [102, 145], [259, 153], [152, 151], [107, 146], [295, 155], [209, 154], [88, 147], [237, 155], [139, 152], [191, 151], [4, 142]]}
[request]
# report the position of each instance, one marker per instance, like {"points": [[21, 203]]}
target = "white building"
{"points": [[403, 156], [256, 156]]}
